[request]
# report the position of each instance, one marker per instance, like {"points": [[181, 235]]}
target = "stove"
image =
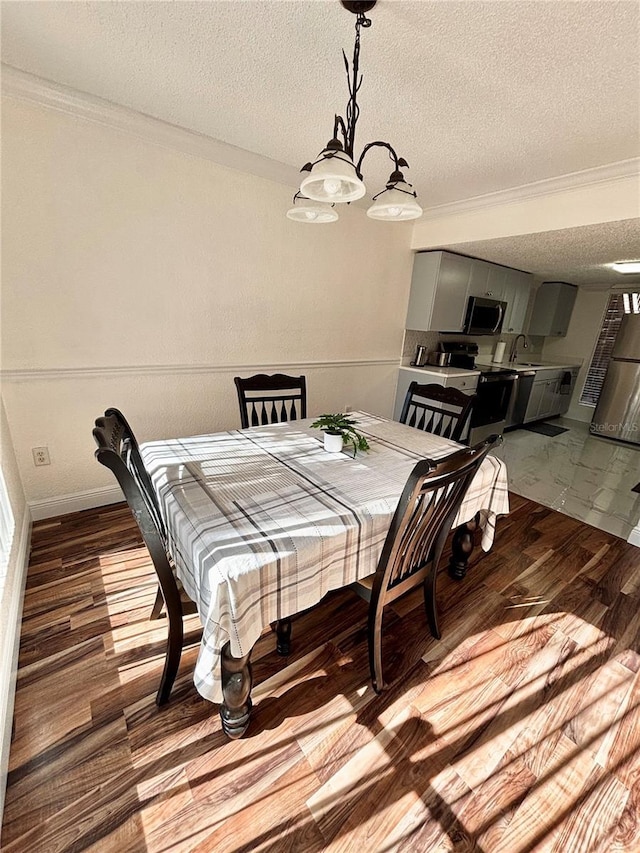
{"points": [[495, 370], [496, 386]]}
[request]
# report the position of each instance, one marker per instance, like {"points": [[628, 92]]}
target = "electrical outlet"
{"points": [[41, 456], [348, 409]]}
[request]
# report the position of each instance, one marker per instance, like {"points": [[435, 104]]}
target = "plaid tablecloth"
{"points": [[262, 523]]}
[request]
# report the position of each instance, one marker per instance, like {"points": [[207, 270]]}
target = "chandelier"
{"points": [[334, 177]]}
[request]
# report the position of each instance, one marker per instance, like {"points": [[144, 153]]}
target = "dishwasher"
{"points": [[520, 398]]}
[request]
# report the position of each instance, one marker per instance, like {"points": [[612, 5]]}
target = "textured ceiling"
{"points": [[577, 255], [477, 96]]}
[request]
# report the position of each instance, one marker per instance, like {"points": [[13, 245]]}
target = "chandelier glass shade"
{"points": [[396, 203], [311, 212], [335, 177]]}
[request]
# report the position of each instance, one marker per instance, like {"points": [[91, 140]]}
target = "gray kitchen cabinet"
{"points": [[550, 403], [540, 403], [438, 297], [516, 292], [483, 280], [564, 309], [535, 401], [467, 383], [546, 399], [552, 309], [496, 282], [442, 283], [464, 380], [487, 280], [479, 279]]}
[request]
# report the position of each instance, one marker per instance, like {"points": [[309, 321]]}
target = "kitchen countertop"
{"points": [[480, 364], [442, 371], [538, 365]]}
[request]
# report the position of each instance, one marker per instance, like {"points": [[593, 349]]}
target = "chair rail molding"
{"points": [[22, 374]]}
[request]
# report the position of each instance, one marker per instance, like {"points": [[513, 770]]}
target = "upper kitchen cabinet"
{"points": [[487, 280], [516, 292], [552, 309], [443, 282], [439, 286]]}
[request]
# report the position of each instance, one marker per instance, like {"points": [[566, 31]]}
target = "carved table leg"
{"points": [[461, 549], [235, 710], [283, 635]]}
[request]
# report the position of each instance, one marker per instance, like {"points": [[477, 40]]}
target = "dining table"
{"points": [[262, 523]]}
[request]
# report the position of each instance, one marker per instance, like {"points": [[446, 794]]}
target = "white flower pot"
{"points": [[332, 443]]}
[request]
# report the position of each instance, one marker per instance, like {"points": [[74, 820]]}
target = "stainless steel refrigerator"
{"points": [[617, 414]]}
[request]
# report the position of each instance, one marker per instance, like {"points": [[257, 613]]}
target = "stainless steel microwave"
{"points": [[484, 316]]}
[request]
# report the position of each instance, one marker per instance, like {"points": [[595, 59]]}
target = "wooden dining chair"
{"points": [[436, 409], [118, 450], [144, 481], [413, 547], [271, 399]]}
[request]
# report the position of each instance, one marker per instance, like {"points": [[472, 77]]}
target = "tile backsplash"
{"points": [[414, 338], [486, 344]]}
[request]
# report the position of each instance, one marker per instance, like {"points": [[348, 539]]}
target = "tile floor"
{"points": [[584, 476]]}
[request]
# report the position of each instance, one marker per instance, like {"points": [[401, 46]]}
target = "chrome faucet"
{"points": [[513, 353]]}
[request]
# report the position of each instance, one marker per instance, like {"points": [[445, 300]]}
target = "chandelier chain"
{"points": [[353, 110]]}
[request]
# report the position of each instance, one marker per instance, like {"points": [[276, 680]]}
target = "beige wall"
{"points": [[579, 343], [139, 276], [12, 577], [604, 194]]}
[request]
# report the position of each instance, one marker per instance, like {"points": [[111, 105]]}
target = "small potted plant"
{"points": [[340, 430]]}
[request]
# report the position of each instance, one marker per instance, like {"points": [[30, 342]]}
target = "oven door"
{"points": [[484, 316]]}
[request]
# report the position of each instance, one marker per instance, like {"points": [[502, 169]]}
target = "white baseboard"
{"points": [[10, 648], [64, 504], [634, 536]]}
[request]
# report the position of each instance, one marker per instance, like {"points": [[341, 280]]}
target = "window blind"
{"points": [[631, 303], [619, 305]]}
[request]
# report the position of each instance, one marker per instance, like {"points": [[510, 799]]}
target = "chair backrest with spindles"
{"points": [[426, 511], [265, 399], [436, 409]]}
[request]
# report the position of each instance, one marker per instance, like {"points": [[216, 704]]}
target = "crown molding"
{"points": [[23, 86], [40, 373], [610, 173]]}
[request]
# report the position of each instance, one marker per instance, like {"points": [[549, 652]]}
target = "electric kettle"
{"points": [[421, 357]]}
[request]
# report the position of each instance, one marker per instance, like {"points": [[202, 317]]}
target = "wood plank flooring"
{"points": [[518, 731]]}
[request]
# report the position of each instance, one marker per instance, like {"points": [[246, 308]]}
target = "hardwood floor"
{"points": [[518, 731]]}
